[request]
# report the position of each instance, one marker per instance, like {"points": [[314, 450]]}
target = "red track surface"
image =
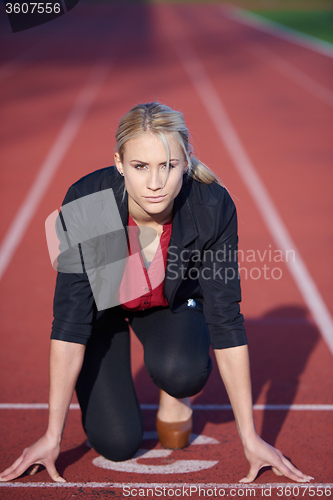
{"points": [[285, 131]]}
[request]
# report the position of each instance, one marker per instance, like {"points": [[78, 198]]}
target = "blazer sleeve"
{"points": [[220, 282], [73, 306]]}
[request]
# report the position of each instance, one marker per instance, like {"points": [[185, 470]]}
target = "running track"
{"points": [[259, 109]]}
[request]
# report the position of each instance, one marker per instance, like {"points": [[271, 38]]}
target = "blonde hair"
{"points": [[160, 120]]}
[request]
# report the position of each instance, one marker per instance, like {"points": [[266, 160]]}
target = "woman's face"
{"points": [[144, 168]]}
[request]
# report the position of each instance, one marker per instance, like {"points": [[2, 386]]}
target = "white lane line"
{"points": [[30, 406], [51, 163], [280, 321], [302, 487], [207, 407], [21, 60], [294, 407], [18, 62], [294, 74], [257, 189], [271, 27]]}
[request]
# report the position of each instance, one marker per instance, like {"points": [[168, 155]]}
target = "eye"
{"points": [[170, 166], [139, 167]]}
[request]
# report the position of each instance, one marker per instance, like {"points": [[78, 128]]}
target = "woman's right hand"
{"points": [[44, 452], [66, 360]]}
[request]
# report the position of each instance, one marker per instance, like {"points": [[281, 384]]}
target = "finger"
{"points": [[22, 467], [253, 472], [276, 471], [34, 470], [54, 474], [294, 469], [12, 467], [287, 469]]}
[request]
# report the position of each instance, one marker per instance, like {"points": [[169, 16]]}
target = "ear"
{"points": [[118, 163]]}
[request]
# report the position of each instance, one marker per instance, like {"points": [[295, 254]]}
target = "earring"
{"points": [[121, 173]]}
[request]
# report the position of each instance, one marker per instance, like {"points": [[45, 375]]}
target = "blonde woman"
{"points": [[173, 227]]}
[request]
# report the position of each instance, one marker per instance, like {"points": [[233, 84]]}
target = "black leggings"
{"points": [[176, 356]]}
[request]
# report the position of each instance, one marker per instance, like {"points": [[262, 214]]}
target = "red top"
{"points": [[141, 289]]}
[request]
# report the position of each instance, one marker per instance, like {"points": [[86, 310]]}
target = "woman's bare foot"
{"points": [[172, 409]]}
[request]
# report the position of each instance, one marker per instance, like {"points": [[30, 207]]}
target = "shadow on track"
{"points": [[280, 344]]}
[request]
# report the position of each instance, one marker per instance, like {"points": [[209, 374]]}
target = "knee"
{"points": [[116, 446], [181, 378]]}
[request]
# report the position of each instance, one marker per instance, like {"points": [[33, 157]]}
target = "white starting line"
{"points": [[208, 407]]}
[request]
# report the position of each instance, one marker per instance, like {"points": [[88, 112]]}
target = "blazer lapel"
{"points": [[122, 200], [184, 231]]}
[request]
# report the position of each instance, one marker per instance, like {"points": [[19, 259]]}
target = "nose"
{"points": [[155, 180]]}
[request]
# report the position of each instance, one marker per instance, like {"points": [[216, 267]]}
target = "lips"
{"points": [[155, 199]]}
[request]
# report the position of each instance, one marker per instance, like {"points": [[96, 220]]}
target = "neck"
{"points": [[143, 218]]}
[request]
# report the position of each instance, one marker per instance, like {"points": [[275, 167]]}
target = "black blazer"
{"points": [[201, 264]]}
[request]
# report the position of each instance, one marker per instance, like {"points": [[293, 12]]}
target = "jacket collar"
{"points": [[184, 229], [121, 200]]}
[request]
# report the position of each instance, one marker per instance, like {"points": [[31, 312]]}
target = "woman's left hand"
{"points": [[261, 454]]}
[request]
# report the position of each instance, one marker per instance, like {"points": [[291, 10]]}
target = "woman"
{"points": [[178, 289]]}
